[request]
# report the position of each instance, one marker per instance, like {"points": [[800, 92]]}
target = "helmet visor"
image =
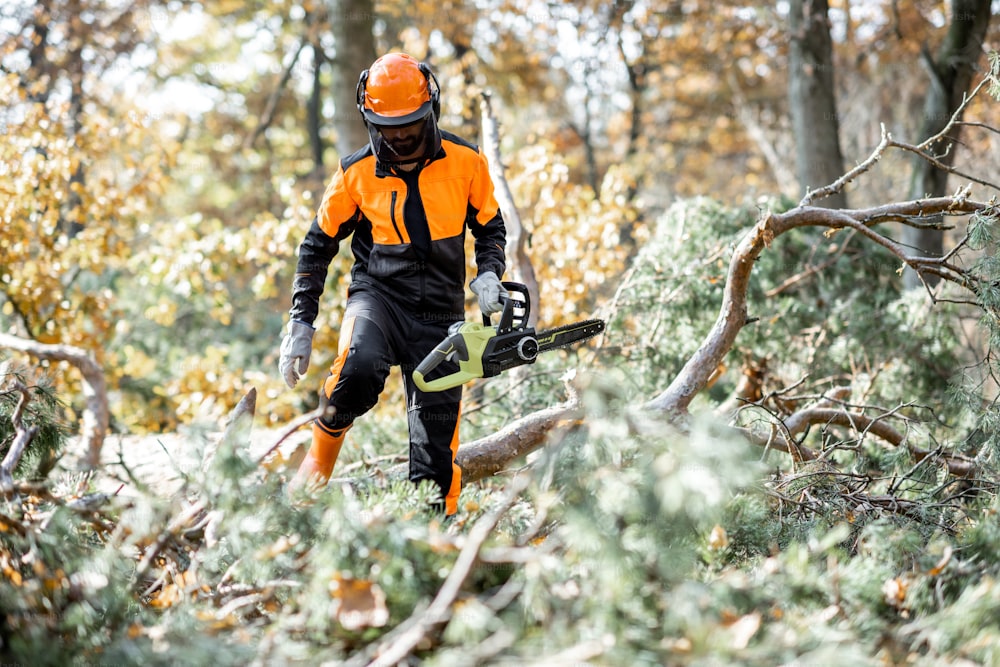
{"points": [[383, 120], [404, 140]]}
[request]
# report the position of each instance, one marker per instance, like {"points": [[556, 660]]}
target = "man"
{"points": [[408, 198]]}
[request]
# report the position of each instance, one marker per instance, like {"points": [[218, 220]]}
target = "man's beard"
{"points": [[407, 147]]}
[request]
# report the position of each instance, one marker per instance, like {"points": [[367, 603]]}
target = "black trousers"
{"points": [[377, 334]]}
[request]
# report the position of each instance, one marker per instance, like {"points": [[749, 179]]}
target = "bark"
{"points": [[638, 83], [951, 75], [351, 23], [96, 414], [520, 265], [493, 453], [812, 99]]}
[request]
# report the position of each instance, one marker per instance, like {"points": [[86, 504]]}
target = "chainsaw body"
{"points": [[484, 350]]}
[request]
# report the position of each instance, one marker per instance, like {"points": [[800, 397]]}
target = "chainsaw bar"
{"points": [[553, 339]]}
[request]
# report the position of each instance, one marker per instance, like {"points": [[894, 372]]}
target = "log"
{"points": [[491, 454]]}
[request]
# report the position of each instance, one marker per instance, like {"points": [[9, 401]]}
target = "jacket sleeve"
{"points": [[336, 219], [486, 223]]}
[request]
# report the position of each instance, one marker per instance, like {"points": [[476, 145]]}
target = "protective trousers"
{"points": [[378, 333]]}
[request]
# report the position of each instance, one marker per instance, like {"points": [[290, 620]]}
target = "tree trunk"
{"points": [[950, 78], [351, 22], [812, 99], [314, 117], [521, 268]]}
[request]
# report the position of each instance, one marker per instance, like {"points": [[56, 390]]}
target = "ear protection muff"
{"points": [[359, 93], [433, 90]]}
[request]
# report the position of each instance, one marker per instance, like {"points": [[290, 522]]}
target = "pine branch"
{"points": [[401, 641], [22, 438], [97, 415]]}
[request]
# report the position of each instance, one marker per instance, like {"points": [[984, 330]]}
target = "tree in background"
{"points": [[812, 102], [352, 28], [951, 74]]}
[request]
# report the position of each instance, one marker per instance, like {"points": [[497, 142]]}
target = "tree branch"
{"points": [[96, 415], [798, 423], [491, 454], [401, 641], [272, 102], [22, 438], [696, 373]]}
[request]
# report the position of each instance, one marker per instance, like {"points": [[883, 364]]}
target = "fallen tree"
{"points": [[494, 452]]}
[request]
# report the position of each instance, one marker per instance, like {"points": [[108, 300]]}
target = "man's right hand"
{"points": [[296, 348]]}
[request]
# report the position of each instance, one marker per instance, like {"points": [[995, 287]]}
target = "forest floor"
{"points": [[163, 461]]}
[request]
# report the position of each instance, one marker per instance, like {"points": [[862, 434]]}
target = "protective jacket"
{"points": [[409, 230]]}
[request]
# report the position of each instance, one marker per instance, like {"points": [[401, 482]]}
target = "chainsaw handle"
{"points": [[455, 347], [464, 345], [440, 384], [514, 310], [453, 344]]}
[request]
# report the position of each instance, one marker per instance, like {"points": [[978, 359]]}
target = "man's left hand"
{"points": [[489, 290]]}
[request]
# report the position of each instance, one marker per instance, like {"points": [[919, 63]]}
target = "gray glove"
{"points": [[296, 348], [489, 290]]}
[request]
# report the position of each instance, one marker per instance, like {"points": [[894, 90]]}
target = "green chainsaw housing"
{"points": [[484, 350]]}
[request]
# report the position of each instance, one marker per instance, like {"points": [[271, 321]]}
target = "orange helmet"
{"points": [[396, 90]]}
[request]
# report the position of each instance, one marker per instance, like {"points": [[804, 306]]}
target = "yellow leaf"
{"points": [[13, 575], [166, 597]]}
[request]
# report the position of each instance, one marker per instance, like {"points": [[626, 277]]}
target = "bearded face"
{"points": [[405, 141]]}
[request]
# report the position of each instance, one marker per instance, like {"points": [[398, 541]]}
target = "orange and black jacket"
{"points": [[409, 230]]}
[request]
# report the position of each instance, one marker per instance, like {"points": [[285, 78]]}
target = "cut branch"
{"points": [[96, 414], [493, 453], [798, 423], [22, 438], [697, 372]]}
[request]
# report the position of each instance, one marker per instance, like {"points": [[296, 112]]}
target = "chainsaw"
{"points": [[484, 350]]}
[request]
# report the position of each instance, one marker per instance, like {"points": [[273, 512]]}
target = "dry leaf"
{"points": [[361, 603], [895, 591], [718, 539], [941, 564]]}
